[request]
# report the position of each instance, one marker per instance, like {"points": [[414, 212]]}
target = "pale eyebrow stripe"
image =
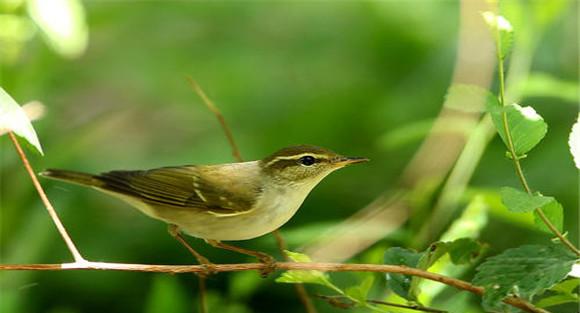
{"points": [[296, 157]]}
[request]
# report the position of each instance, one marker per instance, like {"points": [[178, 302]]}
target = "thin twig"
{"points": [[338, 301], [410, 307], [51, 211], [195, 86], [335, 300], [512, 151], [326, 267], [300, 289], [202, 293]]}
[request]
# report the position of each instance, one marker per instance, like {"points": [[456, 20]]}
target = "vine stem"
{"points": [[51, 211], [512, 151], [325, 267]]}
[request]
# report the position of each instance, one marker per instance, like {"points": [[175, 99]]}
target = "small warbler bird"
{"points": [[235, 201]]}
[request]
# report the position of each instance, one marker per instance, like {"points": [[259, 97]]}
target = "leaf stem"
{"points": [[327, 267], [51, 211], [511, 147]]}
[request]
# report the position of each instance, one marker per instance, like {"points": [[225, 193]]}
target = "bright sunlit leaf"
{"points": [[501, 27], [14, 119], [527, 128], [303, 277], [574, 142], [63, 24], [297, 257]]}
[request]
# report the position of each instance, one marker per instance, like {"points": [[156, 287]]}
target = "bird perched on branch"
{"points": [[222, 202]]}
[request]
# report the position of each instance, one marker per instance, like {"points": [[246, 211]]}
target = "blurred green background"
{"points": [[346, 75]]}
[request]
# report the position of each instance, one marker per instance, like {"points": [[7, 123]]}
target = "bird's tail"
{"points": [[78, 178]]}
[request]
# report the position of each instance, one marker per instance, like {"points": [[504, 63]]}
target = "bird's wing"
{"points": [[190, 187]]}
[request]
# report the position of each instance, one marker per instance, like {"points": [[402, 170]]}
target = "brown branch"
{"points": [[51, 211], [325, 267]]}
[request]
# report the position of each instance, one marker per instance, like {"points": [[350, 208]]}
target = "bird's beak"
{"points": [[344, 161]]}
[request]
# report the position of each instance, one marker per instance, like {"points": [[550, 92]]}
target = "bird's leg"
{"points": [[203, 261], [265, 258]]}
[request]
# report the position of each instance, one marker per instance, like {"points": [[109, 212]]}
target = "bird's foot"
{"points": [[266, 259], [270, 264], [209, 268]]}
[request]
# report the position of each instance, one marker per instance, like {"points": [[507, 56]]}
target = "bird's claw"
{"points": [[208, 269], [269, 262]]}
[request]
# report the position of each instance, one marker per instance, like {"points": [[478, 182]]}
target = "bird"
{"points": [[220, 202]]}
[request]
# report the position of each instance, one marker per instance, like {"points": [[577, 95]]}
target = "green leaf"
{"points": [[63, 24], [524, 272], [500, 26], [400, 283], [461, 251], [566, 286], [360, 292], [303, 277], [464, 251], [298, 257], [574, 142], [557, 300], [555, 214], [527, 128], [563, 293], [14, 119], [519, 201]]}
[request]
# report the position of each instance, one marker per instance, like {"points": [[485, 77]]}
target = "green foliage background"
{"points": [[337, 74]]}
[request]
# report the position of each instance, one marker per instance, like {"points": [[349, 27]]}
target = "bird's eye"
{"points": [[307, 160]]}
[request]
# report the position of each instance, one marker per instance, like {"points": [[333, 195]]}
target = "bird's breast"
{"points": [[274, 208]]}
